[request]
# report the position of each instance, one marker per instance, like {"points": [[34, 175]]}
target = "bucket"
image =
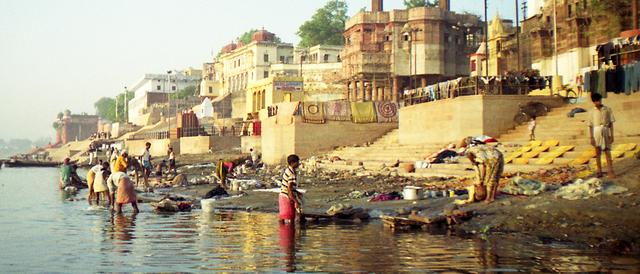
{"points": [[207, 205], [412, 193]]}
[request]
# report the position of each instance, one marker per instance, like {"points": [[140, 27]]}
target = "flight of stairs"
{"points": [[556, 125]]}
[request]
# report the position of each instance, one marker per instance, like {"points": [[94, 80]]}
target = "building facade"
{"points": [[580, 28], [245, 64], [389, 51], [155, 88], [273, 90]]}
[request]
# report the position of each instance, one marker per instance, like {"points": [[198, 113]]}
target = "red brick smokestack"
{"points": [[376, 5], [445, 5]]}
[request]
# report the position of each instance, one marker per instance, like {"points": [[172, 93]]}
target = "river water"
{"points": [[41, 231]]}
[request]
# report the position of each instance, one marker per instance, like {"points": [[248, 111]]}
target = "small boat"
{"points": [[22, 163]]}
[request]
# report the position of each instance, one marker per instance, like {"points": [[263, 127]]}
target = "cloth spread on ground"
{"points": [[313, 112], [338, 110], [386, 197], [363, 112], [521, 186], [387, 112], [585, 189], [574, 111]]}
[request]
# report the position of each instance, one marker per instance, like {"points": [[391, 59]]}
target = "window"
{"points": [[173, 88], [405, 37], [266, 57], [157, 87], [266, 74], [326, 57], [210, 89], [338, 58], [548, 19], [281, 59], [569, 11], [473, 65]]}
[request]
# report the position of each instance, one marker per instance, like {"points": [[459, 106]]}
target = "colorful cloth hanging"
{"points": [[363, 112]]}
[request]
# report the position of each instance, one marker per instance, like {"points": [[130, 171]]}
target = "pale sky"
{"points": [[66, 54]]}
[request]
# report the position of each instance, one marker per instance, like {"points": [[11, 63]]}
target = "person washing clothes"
{"points": [[488, 163], [289, 198], [601, 133], [532, 129], [122, 163]]}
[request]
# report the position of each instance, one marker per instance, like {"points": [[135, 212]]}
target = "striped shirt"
{"points": [[289, 178]]}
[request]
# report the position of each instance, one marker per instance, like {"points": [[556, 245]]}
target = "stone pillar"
{"points": [[374, 89], [349, 91], [354, 94], [363, 89], [396, 89], [381, 94]]}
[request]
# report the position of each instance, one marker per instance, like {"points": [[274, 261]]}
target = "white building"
{"points": [[154, 89]]}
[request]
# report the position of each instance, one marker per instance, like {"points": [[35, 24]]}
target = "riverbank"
{"points": [[606, 221]]}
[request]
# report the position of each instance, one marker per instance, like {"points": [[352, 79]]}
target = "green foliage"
{"points": [[245, 38], [421, 3], [106, 107], [184, 93], [326, 26]]}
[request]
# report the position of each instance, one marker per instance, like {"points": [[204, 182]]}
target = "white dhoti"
{"points": [[602, 137]]}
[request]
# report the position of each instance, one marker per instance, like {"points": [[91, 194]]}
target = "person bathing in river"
{"points": [[289, 198], [91, 175], [65, 173], [488, 163], [100, 183], [122, 189], [159, 169], [122, 163]]}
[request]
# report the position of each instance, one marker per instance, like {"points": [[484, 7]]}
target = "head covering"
{"points": [[123, 152]]}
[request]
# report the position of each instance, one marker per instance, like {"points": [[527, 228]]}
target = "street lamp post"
{"points": [[126, 105], [486, 40], [169, 102]]}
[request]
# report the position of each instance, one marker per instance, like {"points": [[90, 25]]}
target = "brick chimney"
{"points": [[376, 5], [445, 5]]}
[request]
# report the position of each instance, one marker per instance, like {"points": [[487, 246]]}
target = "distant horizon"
{"points": [[67, 54]]}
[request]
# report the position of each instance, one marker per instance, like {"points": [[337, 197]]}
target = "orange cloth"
{"points": [[126, 192], [90, 178], [121, 165]]}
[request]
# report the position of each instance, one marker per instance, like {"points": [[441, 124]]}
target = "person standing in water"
{"points": [[289, 197]]}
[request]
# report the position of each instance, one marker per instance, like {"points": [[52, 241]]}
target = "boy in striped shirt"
{"points": [[289, 197]]}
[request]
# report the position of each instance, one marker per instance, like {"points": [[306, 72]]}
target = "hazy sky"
{"points": [[66, 54]]}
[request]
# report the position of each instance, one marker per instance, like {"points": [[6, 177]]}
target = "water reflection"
{"points": [[288, 246], [65, 236]]}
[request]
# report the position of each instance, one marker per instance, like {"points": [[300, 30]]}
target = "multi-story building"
{"points": [[320, 67], [154, 89], [78, 126], [245, 64], [211, 84], [580, 28], [389, 51]]}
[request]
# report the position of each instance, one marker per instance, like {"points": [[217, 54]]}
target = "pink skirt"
{"points": [[287, 208]]}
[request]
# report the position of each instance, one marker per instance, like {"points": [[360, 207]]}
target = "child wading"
{"points": [[289, 198], [601, 132]]}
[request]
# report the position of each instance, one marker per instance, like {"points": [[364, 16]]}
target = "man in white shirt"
{"points": [[112, 184]]}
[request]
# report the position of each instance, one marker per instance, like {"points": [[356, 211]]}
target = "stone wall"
{"points": [[201, 144], [249, 142], [304, 139], [451, 120], [158, 147]]}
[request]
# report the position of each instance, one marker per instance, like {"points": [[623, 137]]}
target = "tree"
{"points": [[184, 93], [326, 26], [106, 107], [421, 3]]}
